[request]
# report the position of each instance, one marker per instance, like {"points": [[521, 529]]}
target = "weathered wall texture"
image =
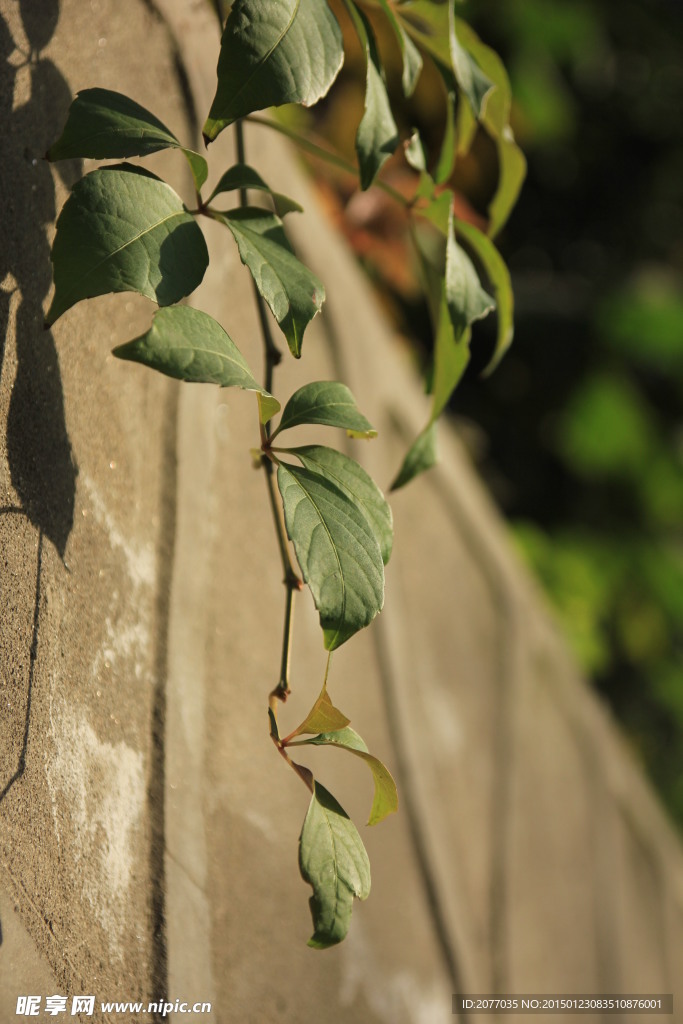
{"points": [[148, 830]]}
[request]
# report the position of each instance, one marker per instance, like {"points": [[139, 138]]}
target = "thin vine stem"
{"points": [[292, 581]]}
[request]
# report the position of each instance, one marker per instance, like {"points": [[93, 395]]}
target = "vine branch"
{"points": [[292, 581]]}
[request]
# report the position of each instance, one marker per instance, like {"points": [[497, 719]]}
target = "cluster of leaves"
{"points": [[125, 229]]}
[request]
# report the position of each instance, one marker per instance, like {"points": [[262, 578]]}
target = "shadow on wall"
{"points": [[41, 468]]}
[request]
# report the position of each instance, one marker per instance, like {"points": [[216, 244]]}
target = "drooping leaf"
{"points": [[385, 801], [377, 136], [344, 737], [496, 120], [328, 403], [333, 860], [451, 356], [292, 291], [415, 152], [481, 75], [469, 76], [427, 22], [323, 717], [274, 52], [123, 229], [421, 455], [351, 478], [499, 276], [439, 208], [446, 161], [104, 125], [466, 126], [190, 345], [412, 59], [467, 300], [337, 550], [241, 176]]}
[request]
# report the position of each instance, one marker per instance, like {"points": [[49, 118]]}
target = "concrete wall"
{"points": [[148, 831]]}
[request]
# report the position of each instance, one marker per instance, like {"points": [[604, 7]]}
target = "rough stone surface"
{"points": [[148, 829]]}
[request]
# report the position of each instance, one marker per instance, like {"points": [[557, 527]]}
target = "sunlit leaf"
{"points": [[427, 22], [337, 550], [191, 346], [412, 59], [496, 120], [323, 717], [446, 161], [465, 127], [241, 176], [451, 356], [123, 229], [467, 300], [351, 478], [385, 801], [328, 403], [292, 291], [469, 76], [499, 276], [377, 136], [436, 28], [439, 208], [333, 860], [415, 152], [274, 52], [105, 125], [421, 455]]}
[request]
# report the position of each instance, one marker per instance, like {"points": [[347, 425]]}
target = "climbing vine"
{"points": [[125, 229]]}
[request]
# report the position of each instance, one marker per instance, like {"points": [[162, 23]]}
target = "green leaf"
{"points": [[422, 455], [467, 300], [105, 125], [511, 175], [446, 161], [415, 152], [344, 737], [469, 76], [292, 291], [466, 127], [435, 26], [274, 52], [385, 801], [333, 860], [241, 176], [190, 345], [482, 77], [451, 356], [337, 550], [122, 229], [351, 478], [439, 209], [377, 136], [412, 59], [323, 717], [328, 403], [198, 166], [496, 120], [499, 276], [427, 22]]}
